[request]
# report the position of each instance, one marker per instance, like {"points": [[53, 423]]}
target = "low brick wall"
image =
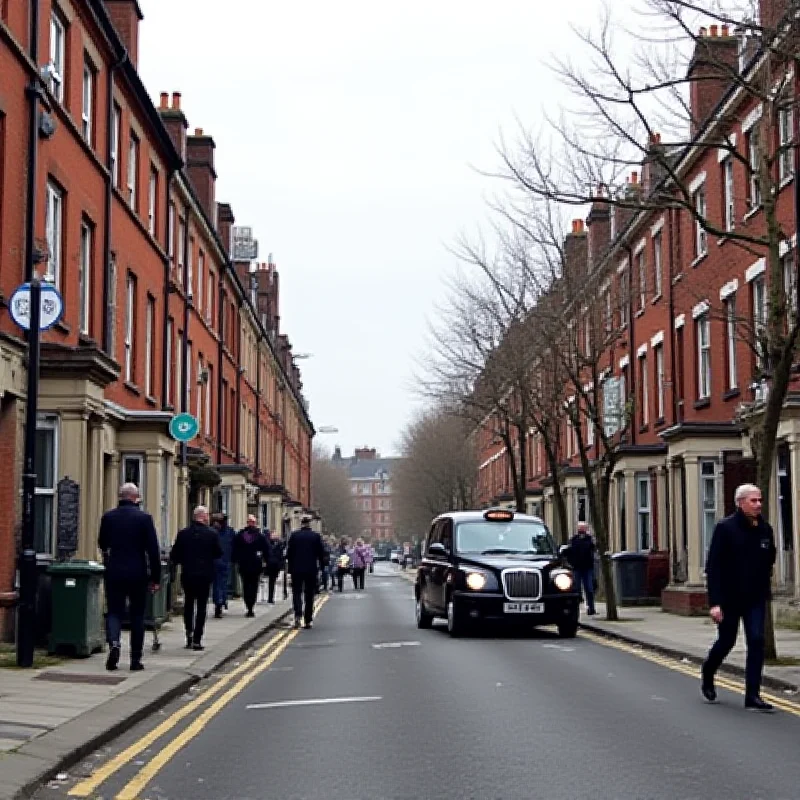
{"points": [[685, 601]]}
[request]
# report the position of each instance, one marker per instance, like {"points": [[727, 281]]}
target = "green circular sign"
{"points": [[183, 427]]}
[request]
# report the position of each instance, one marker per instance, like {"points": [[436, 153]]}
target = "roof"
{"points": [[369, 468], [477, 516]]}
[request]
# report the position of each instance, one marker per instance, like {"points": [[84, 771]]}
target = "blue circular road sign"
{"points": [[183, 427]]}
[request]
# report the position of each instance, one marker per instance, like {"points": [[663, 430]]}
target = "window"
{"points": [[789, 283], [587, 335], [760, 320], [660, 399], [708, 493], [58, 55], [728, 207], [130, 327], [209, 384], [190, 268], [152, 201], [625, 298], [179, 372], [84, 278], [149, 349], [657, 265], [54, 220], [181, 249], [643, 512], [730, 341], [168, 357], [87, 109], [641, 269], [785, 136], [45, 491], [609, 311], [589, 432], [188, 401], [112, 293], [644, 393], [200, 394], [680, 383], [703, 357], [753, 155], [132, 468], [201, 268], [133, 172], [116, 128], [701, 237], [171, 234], [210, 298]]}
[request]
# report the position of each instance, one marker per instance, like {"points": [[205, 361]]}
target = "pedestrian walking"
{"points": [[360, 560], [371, 558], [343, 562], [249, 554], [581, 556], [132, 559], [326, 574], [222, 566], [739, 572], [276, 562], [196, 550], [305, 556]]}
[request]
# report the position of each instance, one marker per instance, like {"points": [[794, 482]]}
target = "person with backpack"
{"points": [[343, 563], [360, 561]]}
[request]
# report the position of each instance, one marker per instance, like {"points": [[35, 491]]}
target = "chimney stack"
{"points": [[576, 254], [125, 17], [225, 220], [174, 121], [599, 227], [710, 72], [201, 171]]}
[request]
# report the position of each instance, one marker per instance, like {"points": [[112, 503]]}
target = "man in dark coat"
{"points": [[196, 549], [132, 558], [249, 553], [222, 567], [581, 557], [305, 556], [276, 561], [739, 572]]}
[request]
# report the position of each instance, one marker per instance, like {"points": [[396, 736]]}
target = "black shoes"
{"points": [[197, 646], [757, 704], [218, 612], [113, 657], [309, 625], [136, 666], [250, 613], [708, 691], [297, 622]]}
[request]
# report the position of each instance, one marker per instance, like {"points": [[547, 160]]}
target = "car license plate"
{"points": [[523, 608]]}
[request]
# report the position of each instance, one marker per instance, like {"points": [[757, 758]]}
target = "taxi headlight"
{"points": [[563, 581], [476, 581]]}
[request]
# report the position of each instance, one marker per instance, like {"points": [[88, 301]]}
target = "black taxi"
{"points": [[494, 565]]}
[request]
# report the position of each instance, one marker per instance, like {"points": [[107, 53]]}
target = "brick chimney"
{"points": [[125, 17], [653, 165], [174, 121], [772, 12], [716, 55], [225, 220], [366, 453], [200, 168], [632, 194], [598, 224], [576, 253]]}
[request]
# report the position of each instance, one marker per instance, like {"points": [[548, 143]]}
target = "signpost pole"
{"points": [[26, 610]]}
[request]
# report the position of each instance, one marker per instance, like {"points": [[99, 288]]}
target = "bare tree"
{"points": [[330, 495]]}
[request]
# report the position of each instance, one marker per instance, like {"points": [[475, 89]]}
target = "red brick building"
{"points": [[678, 296], [157, 320]]}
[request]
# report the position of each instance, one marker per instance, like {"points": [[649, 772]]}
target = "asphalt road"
{"points": [[415, 714]]}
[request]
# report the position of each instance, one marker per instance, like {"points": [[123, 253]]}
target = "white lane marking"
{"points": [[559, 647], [319, 701], [385, 645]]}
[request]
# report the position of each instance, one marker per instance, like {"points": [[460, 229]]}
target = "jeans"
{"points": [[340, 573], [221, 574], [195, 593], [585, 579], [250, 588], [120, 593], [358, 577], [304, 589], [753, 619]]}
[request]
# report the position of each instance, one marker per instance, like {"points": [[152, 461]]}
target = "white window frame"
{"points": [[210, 298], [609, 310], [152, 201], [171, 235], [181, 249], [641, 268], [589, 431], [587, 335], [58, 55], [645, 389], [141, 462], [785, 137], [703, 331], [660, 395], [133, 171], [149, 346], [700, 209], [54, 232], [85, 278], [130, 308], [49, 423], [188, 378], [87, 107], [199, 399], [201, 281], [657, 264], [625, 296], [178, 372], [789, 282], [730, 341], [729, 208], [707, 469], [207, 420], [168, 357], [190, 268], [759, 289], [116, 132], [644, 513], [752, 159]]}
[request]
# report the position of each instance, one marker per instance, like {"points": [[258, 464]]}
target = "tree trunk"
{"points": [[601, 520]]}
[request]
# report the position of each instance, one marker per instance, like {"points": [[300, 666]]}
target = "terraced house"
{"points": [[112, 200], [684, 312]]}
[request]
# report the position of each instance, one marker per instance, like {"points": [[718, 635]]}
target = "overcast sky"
{"points": [[347, 136]]}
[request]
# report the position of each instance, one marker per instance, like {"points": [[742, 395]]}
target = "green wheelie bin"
{"points": [[77, 622]]}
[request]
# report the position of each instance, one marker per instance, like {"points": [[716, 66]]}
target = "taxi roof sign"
{"points": [[499, 515]]}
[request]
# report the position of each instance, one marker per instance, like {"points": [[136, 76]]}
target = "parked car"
{"points": [[395, 556], [494, 566]]}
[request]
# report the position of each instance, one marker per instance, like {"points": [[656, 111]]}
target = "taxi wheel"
{"points": [[568, 629], [424, 619], [456, 626]]}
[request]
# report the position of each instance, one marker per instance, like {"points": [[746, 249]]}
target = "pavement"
{"points": [[365, 705], [51, 717]]}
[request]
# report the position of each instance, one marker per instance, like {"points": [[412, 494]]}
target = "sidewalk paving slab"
{"points": [[60, 731]]}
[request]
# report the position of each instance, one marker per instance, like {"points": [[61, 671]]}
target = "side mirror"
{"points": [[437, 550]]}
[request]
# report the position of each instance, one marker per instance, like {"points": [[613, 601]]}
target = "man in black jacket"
{"points": [[739, 571], [132, 558], [581, 556], [305, 556], [196, 549]]}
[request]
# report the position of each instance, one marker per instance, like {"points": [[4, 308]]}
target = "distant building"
{"points": [[371, 487]]}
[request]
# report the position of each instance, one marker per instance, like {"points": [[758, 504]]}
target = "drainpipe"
{"points": [[185, 342], [220, 357], [165, 342], [673, 359], [632, 358], [239, 373], [109, 182]]}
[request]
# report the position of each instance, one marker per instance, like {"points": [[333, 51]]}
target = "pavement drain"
{"points": [[78, 677]]}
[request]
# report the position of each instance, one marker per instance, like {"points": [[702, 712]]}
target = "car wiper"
{"points": [[498, 550]]}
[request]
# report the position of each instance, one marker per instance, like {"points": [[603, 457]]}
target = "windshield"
{"points": [[485, 538]]}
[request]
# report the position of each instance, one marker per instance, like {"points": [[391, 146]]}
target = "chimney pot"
{"points": [[703, 32], [576, 226], [164, 103], [726, 30], [176, 101], [634, 177], [715, 30], [198, 131]]}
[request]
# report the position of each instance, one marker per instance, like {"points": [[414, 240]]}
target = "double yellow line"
{"points": [[245, 673], [693, 671]]}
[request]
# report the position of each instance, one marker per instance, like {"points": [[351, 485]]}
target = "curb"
{"points": [[769, 681], [41, 759]]}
